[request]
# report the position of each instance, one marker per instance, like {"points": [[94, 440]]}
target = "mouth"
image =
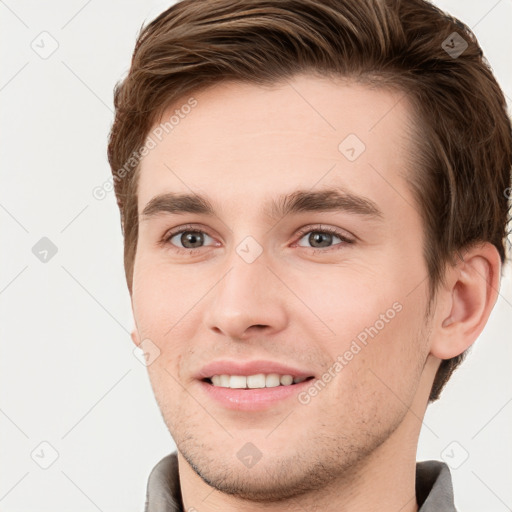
{"points": [[256, 381], [254, 385], [258, 392]]}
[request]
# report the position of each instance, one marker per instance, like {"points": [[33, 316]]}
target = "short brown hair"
{"points": [[464, 136]]}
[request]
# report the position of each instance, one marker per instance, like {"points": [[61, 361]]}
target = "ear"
{"points": [[135, 337], [465, 302]]}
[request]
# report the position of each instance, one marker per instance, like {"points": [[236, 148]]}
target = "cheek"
{"points": [[348, 300], [167, 392], [385, 369], [160, 307], [160, 298], [375, 337]]}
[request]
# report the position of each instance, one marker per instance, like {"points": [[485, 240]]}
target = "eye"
{"points": [[323, 237], [187, 239]]}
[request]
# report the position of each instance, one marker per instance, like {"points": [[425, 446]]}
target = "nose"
{"points": [[249, 299]]}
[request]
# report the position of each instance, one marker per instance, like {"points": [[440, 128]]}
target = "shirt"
{"points": [[434, 491]]}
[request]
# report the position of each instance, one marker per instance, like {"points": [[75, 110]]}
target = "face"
{"points": [[307, 262]]}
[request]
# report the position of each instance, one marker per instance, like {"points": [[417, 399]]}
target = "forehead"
{"points": [[241, 143]]}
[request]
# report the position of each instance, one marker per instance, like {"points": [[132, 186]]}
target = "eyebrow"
{"points": [[326, 200]]}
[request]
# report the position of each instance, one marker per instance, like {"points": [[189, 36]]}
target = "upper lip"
{"points": [[226, 367]]}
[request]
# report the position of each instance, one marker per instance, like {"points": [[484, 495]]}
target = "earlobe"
{"points": [[472, 291], [135, 337]]}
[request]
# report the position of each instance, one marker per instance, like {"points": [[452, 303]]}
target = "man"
{"points": [[313, 199]]}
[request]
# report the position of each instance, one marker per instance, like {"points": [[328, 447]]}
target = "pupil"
{"points": [[194, 239], [317, 237]]}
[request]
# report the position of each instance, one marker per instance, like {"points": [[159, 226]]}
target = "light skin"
{"points": [[353, 446]]}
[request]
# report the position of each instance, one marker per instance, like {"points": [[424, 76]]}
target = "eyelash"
{"points": [[166, 240]]}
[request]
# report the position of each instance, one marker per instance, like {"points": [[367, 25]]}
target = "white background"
{"points": [[68, 374]]}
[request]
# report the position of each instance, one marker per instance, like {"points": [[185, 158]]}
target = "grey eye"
{"points": [[319, 239], [189, 239]]}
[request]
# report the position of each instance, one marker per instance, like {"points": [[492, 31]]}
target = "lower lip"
{"points": [[252, 399]]}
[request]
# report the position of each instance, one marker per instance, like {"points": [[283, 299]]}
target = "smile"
{"points": [[257, 381]]}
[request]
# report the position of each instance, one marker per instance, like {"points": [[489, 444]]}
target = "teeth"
{"points": [[237, 381], [272, 380], [256, 381], [259, 380], [286, 380]]}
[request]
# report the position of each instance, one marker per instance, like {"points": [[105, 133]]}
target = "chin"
{"points": [[269, 480]]}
